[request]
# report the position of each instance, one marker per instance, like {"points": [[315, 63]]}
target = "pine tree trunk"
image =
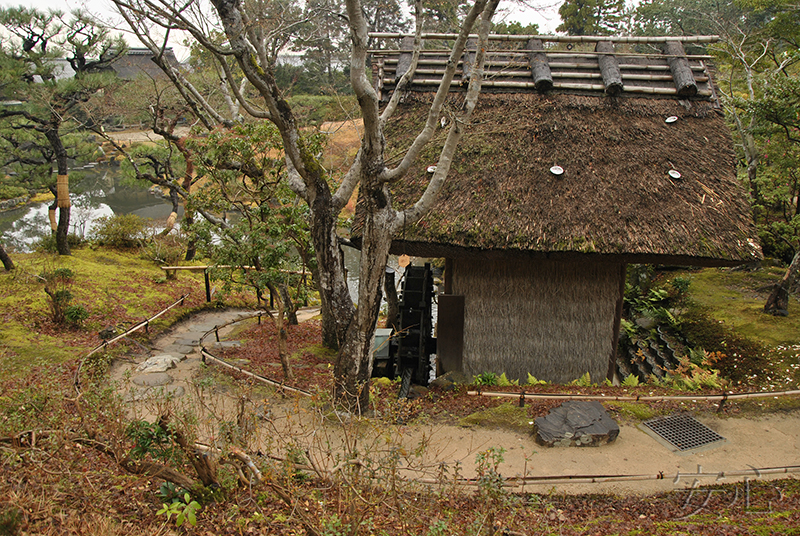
{"points": [[62, 230], [8, 264], [778, 301]]}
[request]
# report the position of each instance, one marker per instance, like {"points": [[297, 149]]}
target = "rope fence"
{"points": [[258, 377], [143, 324]]}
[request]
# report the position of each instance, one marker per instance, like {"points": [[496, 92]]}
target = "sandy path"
{"points": [[430, 451]]}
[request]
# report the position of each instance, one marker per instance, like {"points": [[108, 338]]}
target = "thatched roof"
{"points": [[619, 197], [138, 62], [615, 197]]}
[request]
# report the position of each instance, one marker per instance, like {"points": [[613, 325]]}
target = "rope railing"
{"points": [[721, 398], [143, 324], [258, 377]]}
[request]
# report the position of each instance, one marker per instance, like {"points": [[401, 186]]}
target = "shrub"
{"points": [[76, 314], [121, 231], [57, 287], [168, 250], [11, 192], [47, 244], [486, 378]]}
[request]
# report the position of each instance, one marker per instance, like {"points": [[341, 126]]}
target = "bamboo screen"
{"points": [[554, 320]]}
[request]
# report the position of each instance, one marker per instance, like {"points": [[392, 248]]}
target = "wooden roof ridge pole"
{"points": [[561, 38], [685, 83], [540, 69], [468, 60], [609, 68], [404, 61]]}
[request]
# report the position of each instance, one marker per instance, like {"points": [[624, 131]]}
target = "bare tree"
{"points": [[354, 324]]}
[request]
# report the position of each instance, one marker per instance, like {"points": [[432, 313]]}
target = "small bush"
{"points": [[76, 314], [47, 244], [166, 250], [10, 192], [121, 231]]}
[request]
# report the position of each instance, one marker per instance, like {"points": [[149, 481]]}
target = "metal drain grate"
{"points": [[683, 432]]}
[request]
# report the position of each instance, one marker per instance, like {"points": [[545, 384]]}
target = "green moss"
{"points": [[506, 416], [735, 298], [114, 287], [633, 411]]}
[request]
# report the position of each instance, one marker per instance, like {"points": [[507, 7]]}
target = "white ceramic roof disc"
{"points": [[557, 170], [674, 173], [671, 119], [431, 169]]}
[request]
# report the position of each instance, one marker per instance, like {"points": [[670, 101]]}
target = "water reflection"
{"points": [[99, 192]]}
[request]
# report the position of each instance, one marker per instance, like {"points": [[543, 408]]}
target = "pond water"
{"points": [[101, 191], [96, 192]]}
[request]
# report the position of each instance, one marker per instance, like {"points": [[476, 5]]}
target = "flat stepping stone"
{"points": [[179, 349], [155, 379], [159, 363], [188, 341], [576, 424], [225, 344]]}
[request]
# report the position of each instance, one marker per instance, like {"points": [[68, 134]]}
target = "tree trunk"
{"points": [[354, 362], [291, 307], [8, 264], [337, 304], [62, 197], [390, 293], [288, 373], [778, 301]]}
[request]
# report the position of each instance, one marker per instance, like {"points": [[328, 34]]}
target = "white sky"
{"points": [[545, 16]]}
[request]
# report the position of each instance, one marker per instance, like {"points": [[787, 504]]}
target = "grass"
{"points": [[737, 298], [506, 416], [117, 288]]}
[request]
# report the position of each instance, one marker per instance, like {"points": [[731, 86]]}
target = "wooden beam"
{"points": [[609, 67], [679, 66], [559, 38], [540, 70]]}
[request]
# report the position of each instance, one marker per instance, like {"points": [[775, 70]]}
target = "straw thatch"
{"points": [[554, 320], [615, 199], [62, 191], [139, 62]]}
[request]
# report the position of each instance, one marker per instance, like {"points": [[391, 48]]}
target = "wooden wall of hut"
{"points": [[555, 320]]}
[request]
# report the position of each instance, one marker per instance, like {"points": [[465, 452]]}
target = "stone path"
{"points": [[175, 355], [174, 358]]}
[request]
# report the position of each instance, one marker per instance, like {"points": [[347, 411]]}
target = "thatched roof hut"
{"points": [[139, 62], [536, 258]]}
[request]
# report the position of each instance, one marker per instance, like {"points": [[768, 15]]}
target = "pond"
{"points": [[98, 191], [101, 191]]}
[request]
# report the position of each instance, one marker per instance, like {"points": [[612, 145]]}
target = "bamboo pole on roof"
{"points": [[551, 52], [556, 85], [560, 38]]}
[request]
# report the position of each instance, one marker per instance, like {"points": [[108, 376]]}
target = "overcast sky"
{"points": [[546, 16]]}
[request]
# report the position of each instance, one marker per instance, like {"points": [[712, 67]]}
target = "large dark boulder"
{"points": [[576, 424]]}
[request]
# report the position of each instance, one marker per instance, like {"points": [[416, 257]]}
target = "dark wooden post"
{"points": [[540, 69], [208, 285], [681, 72], [609, 67], [404, 60]]}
